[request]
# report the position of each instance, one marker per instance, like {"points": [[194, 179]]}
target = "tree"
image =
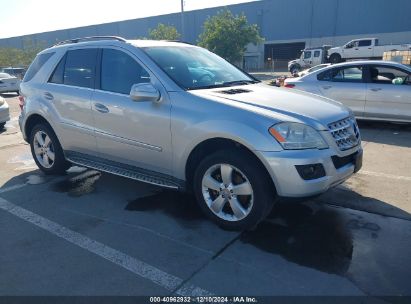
{"points": [[164, 32], [20, 57], [228, 35]]}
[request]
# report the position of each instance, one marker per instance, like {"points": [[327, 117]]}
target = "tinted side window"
{"points": [[80, 68], [317, 54], [364, 43], [58, 73], [38, 62], [348, 74], [119, 72]]}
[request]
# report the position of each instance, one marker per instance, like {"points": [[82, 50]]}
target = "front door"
{"points": [[131, 132], [345, 85]]}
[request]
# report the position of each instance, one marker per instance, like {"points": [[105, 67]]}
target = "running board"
{"points": [[128, 171]]}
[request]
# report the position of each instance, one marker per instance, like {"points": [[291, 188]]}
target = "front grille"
{"points": [[345, 133]]}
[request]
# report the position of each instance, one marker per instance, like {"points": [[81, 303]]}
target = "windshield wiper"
{"points": [[238, 82], [224, 84]]}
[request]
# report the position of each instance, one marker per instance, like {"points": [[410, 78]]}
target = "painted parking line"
{"points": [[391, 176], [11, 188], [142, 269]]}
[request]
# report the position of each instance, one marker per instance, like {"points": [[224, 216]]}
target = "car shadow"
{"points": [[394, 134], [312, 237], [347, 198]]}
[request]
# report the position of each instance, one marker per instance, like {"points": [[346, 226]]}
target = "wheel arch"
{"points": [[34, 120], [213, 145]]}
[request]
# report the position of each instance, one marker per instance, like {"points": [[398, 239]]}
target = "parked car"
{"points": [[17, 72], [4, 113], [9, 83], [309, 58], [133, 108], [366, 48], [313, 69], [375, 90]]}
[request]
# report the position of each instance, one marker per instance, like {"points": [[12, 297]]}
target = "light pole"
{"points": [[182, 20]]}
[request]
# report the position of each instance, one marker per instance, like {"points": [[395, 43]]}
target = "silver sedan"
{"points": [[374, 90], [4, 112], [9, 83]]}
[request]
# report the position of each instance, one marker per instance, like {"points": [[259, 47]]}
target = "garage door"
{"points": [[283, 51]]}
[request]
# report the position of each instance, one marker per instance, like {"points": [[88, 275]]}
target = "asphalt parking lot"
{"points": [[91, 233]]}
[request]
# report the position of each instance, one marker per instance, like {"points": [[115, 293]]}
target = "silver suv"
{"points": [[179, 116]]}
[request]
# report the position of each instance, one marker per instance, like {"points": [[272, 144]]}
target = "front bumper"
{"points": [[289, 183], [4, 113]]}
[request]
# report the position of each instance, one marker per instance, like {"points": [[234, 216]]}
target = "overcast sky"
{"points": [[20, 17]]}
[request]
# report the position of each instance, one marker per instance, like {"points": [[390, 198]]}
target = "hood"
{"points": [[333, 49], [281, 104], [292, 61]]}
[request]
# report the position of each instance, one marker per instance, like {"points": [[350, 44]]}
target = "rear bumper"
{"points": [[288, 181], [4, 113]]}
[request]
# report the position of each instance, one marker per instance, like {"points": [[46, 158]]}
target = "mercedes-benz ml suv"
{"points": [[179, 116]]}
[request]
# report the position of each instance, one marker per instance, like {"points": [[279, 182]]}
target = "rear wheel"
{"points": [[233, 190], [47, 151], [335, 58], [2, 125]]}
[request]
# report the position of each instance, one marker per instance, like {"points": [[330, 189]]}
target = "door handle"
{"points": [[376, 89], [101, 108], [48, 96], [327, 87]]}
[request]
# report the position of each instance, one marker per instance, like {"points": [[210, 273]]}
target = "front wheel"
{"points": [[46, 150], [233, 190], [294, 69]]}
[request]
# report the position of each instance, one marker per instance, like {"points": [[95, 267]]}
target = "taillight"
{"points": [[22, 102], [289, 85]]}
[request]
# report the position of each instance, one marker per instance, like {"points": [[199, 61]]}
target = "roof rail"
{"points": [[91, 38]]}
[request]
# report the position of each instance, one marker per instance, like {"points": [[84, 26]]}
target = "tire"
{"points": [[294, 69], [2, 125], [216, 183], [43, 141], [335, 58]]}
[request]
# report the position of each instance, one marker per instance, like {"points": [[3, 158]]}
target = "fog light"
{"points": [[309, 172]]}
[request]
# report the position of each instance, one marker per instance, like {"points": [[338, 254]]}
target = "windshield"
{"points": [[196, 68]]}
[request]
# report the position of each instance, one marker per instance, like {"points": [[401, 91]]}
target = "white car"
{"points": [[313, 69], [374, 90], [9, 83], [4, 112]]}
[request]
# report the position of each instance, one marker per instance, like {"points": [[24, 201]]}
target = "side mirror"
{"points": [[144, 92]]}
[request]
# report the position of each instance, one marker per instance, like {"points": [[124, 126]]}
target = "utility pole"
{"points": [[182, 21]]}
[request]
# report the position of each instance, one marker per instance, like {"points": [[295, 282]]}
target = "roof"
{"points": [[366, 62]]}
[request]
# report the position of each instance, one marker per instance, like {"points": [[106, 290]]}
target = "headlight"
{"points": [[296, 136]]}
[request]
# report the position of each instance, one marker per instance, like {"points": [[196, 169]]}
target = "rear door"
{"points": [[69, 90], [384, 99], [345, 84], [317, 57]]}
